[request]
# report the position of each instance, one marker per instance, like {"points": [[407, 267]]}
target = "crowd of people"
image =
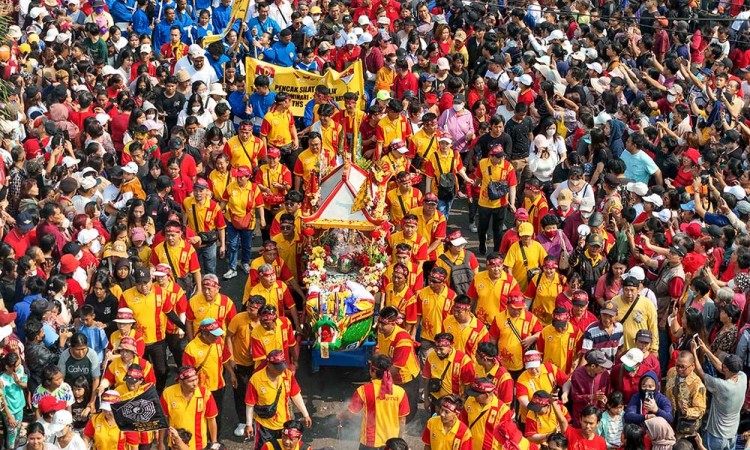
{"points": [[598, 151]]}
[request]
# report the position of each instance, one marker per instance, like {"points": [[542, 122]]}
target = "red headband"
{"points": [[483, 386], [449, 404], [461, 307], [172, 229], [210, 283], [409, 221], [401, 270], [486, 355], [437, 276], [292, 433], [246, 126], [550, 264], [186, 374], [540, 401], [443, 342], [495, 260], [385, 321]]}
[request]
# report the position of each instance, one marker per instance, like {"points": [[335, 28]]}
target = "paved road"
{"points": [[327, 392]]}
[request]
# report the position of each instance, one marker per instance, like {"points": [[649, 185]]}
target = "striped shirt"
{"points": [[597, 338]]}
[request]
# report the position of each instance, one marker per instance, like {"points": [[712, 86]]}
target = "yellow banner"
{"points": [[239, 11], [300, 84]]}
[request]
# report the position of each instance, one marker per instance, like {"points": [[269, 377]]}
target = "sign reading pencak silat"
{"points": [[300, 84], [142, 413]]}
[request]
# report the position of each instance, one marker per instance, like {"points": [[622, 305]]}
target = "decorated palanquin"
{"points": [[345, 256]]}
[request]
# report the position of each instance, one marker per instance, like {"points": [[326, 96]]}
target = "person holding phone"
{"points": [[648, 402]]}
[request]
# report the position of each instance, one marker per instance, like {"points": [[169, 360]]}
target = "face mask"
{"points": [[671, 98], [550, 132], [574, 183], [150, 116], [458, 107], [216, 142], [550, 234], [316, 18], [195, 109], [99, 10], [204, 95], [586, 215]]}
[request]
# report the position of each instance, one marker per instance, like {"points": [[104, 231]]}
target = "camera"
{"points": [[66, 329]]}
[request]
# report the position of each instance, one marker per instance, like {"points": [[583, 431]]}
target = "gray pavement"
{"points": [[327, 392]]}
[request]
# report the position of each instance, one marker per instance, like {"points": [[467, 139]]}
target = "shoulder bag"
{"points": [[435, 384], [496, 189], [564, 262], [530, 273], [418, 161], [446, 181], [207, 237], [268, 411]]}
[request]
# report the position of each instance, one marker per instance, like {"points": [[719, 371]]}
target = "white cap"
{"points": [[555, 35], [384, 21], [602, 118], [14, 32], [63, 38], [737, 191], [655, 199], [51, 35], [639, 189], [532, 364], [37, 12], [546, 60], [366, 38], [580, 55], [60, 420], [443, 64], [664, 215], [145, 48], [587, 204], [5, 331], [590, 53], [525, 79], [108, 70], [88, 183], [69, 161], [87, 235], [459, 241], [130, 167], [196, 51], [358, 31], [635, 272], [596, 67], [102, 118], [351, 39], [445, 138], [633, 357], [363, 20]]}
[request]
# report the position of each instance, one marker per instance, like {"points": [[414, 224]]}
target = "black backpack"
{"points": [[446, 181], [461, 274]]}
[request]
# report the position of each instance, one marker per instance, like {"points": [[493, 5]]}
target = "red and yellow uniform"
{"points": [[278, 127], [494, 172], [204, 216], [508, 345], [387, 130], [241, 328], [439, 164], [392, 165], [177, 297], [219, 183], [483, 423], [289, 252], [537, 208], [350, 124], [332, 137], [491, 296], [276, 223], [455, 372], [190, 414], [210, 358], [380, 416], [544, 293], [108, 437], [458, 437], [183, 256], [399, 346], [282, 272], [242, 201], [418, 245], [262, 391], [150, 312], [549, 377], [466, 337], [262, 341], [276, 295], [504, 384], [457, 260], [416, 277], [171, 52], [421, 144], [434, 309], [140, 344], [309, 162], [538, 423], [559, 348], [117, 369], [433, 229], [221, 309], [404, 300], [267, 176], [401, 203], [244, 153], [519, 265]]}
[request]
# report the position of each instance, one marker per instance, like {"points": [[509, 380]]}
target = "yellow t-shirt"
{"points": [[150, 312], [380, 416], [183, 413], [491, 296], [514, 260], [243, 200], [434, 308], [643, 317], [241, 328]]}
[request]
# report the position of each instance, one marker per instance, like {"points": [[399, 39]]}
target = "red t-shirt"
{"points": [[576, 441]]}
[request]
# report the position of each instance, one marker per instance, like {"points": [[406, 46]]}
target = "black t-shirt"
{"points": [[487, 143], [171, 106], [519, 134], [77, 367], [104, 311], [646, 24]]}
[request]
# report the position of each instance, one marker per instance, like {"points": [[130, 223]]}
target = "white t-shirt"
{"points": [[75, 444]]}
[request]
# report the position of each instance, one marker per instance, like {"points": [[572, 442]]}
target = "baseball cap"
{"points": [[24, 221], [632, 358], [609, 308], [644, 336], [480, 386], [525, 229], [108, 398], [532, 359], [277, 359], [599, 358], [639, 189], [522, 214], [141, 275], [655, 199], [134, 373], [635, 272], [539, 400], [211, 326], [565, 197], [560, 317], [201, 183], [443, 64], [50, 404]]}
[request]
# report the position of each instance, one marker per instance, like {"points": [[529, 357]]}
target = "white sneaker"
{"points": [[240, 430], [245, 268], [231, 273], [473, 227]]}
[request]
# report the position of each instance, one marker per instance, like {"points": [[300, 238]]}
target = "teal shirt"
{"points": [[13, 393]]}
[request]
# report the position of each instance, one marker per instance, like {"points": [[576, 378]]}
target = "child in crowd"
{"points": [[610, 427], [13, 380], [96, 336], [81, 394]]}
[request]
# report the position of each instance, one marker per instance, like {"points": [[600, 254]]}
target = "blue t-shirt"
{"points": [[97, 339], [638, 167]]}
